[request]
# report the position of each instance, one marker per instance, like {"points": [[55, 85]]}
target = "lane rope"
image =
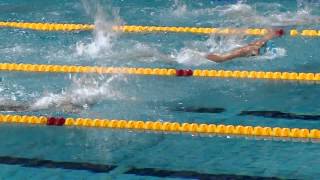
{"points": [[296, 76], [166, 127], [151, 29]]}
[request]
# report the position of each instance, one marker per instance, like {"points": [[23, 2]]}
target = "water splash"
{"points": [[12, 91], [234, 10], [272, 15], [273, 54], [195, 52], [11, 95], [83, 93], [17, 49], [178, 9], [142, 52], [104, 36], [190, 57], [244, 14]]}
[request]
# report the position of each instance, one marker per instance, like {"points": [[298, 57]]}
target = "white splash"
{"points": [[195, 52], [104, 36], [17, 49], [238, 9], [179, 8], [274, 53], [84, 92], [190, 57], [240, 13], [272, 16], [147, 53]]}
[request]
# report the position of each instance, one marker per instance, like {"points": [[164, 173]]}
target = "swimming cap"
{"points": [[279, 32]]}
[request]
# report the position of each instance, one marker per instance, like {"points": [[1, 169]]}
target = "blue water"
{"points": [[156, 98]]}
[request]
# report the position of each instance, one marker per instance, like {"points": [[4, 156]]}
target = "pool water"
{"points": [[37, 152]]}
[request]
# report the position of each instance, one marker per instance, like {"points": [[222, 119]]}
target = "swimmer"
{"points": [[255, 48], [10, 106], [65, 106]]}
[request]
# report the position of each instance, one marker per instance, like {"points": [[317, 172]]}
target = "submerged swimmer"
{"points": [[255, 48], [65, 106], [9, 105]]}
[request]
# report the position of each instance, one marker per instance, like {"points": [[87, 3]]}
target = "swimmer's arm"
{"points": [[270, 35], [226, 57]]}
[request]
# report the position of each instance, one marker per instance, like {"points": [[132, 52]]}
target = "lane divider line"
{"points": [[39, 26], [297, 76], [159, 126]]}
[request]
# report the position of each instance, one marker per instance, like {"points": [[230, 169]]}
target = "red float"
{"points": [[179, 72], [183, 72], [60, 121], [51, 121], [188, 72]]}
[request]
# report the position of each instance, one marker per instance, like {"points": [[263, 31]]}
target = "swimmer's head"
{"points": [[279, 32]]}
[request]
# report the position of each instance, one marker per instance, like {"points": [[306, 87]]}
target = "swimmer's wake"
{"points": [[14, 106]]}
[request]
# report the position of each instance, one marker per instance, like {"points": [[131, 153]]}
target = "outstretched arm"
{"points": [[270, 35], [251, 48], [227, 56]]}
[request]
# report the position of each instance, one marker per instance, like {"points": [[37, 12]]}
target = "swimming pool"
{"points": [[40, 152]]}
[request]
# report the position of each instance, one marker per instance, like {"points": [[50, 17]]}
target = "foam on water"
{"points": [[179, 8], [190, 57], [195, 52], [243, 14], [104, 36], [246, 14], [17, 49], [272, 16], [13, 97], [106, 44], [273, 54], [102, 43], [84, 92], [11, 92], [147, 53]]}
